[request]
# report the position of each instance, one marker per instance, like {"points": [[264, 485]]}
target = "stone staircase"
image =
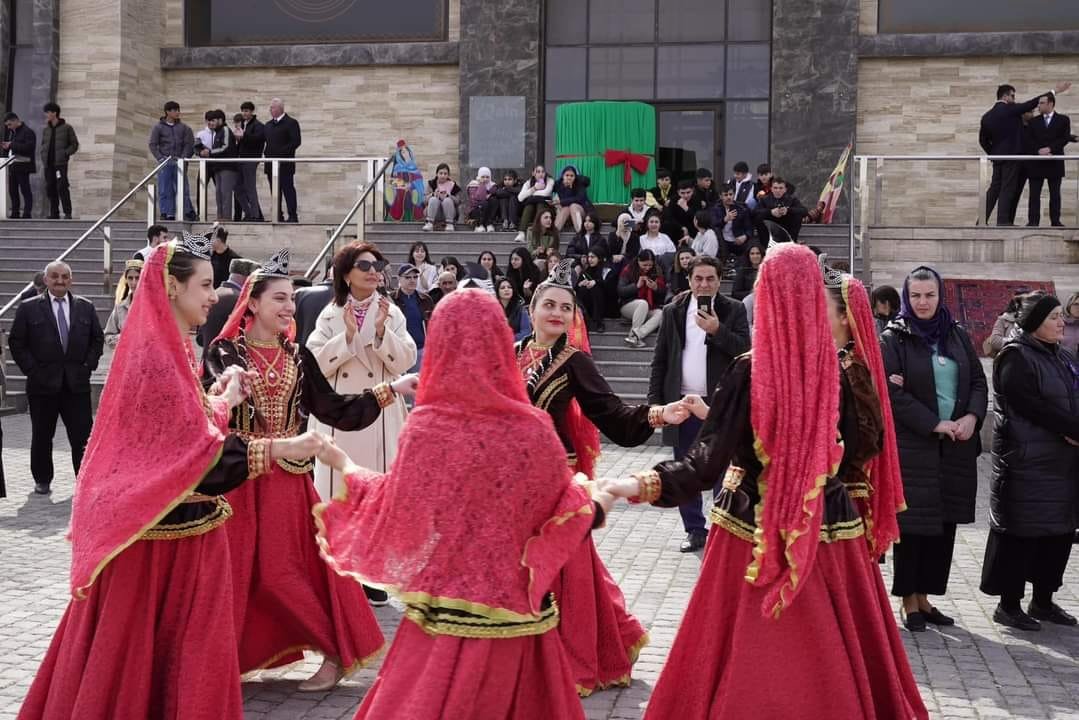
{"points": [[27, 246]]}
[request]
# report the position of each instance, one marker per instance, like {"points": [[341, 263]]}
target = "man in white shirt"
{"points": [[700, 334], [638, 205]]}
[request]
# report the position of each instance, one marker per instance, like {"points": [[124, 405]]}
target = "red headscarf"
{"points": [[794, 410], [477, 513], [155, 436], [239, 321], [583, 434], [885, 481]]}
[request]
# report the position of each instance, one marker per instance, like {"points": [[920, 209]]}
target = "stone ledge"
{"points": [[1000, 44], [329, 55]]}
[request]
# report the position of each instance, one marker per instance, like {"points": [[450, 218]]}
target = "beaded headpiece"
{"points": [[198, 245], [833, 279], [277, 265]]}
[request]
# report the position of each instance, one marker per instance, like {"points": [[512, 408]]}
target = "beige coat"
{"points": [[353, 368]]}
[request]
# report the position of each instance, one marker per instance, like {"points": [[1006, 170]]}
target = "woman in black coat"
{"points": [[1034, 497], [939, 397]]}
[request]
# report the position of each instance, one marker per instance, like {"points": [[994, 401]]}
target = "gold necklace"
{"points": [[270, 376], [265, 344]]}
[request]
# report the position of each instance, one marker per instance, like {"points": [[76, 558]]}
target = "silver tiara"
{"points": [[198, 245], [562, 275], [277, 265], [832, 278]]}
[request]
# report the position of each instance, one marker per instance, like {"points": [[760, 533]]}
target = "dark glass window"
{"points": [[689, 71], [691, 20], [566, 69], [749, 20], [959, 16], [621, 21], [746, 132], [567, 22], [748, 71], [621, 73]]}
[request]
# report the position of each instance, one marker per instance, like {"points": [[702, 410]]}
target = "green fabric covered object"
{"points": [[585, 131]]}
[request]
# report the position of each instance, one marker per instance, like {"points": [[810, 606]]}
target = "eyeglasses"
{"points": [[368, 266]]}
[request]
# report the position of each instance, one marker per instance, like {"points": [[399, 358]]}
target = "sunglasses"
{"points": [[368, 266]]}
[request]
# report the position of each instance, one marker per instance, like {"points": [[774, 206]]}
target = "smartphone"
{"points": [[704, 304], [631, 224]]}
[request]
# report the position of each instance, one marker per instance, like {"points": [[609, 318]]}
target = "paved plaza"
{"points": [[974, 670]]}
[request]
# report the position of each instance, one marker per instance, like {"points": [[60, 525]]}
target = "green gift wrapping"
{"points": [[610, 142]]}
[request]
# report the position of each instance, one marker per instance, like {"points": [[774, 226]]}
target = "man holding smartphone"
{"points": [[701, 333]]}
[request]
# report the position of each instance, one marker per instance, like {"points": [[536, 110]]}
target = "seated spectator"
{"points": [[447, 283], [523, 273], [488, 262], [652, 239], [416, 306], [443, 199], [514, 307], [591, 286], [677, 219], [641, 291], [1004, 329], [1071, 325], [736, 227], [420, 256], [505, 199], [481, 208], [542, 237], [535, 194], [453, 265], [705, 241], [571, 198], [679, 277], [705, 195], [763, 186], [742, 182], [623, 242], [125, 294], [638, 205], [745, 277], [590, 236], [37, 286], [477, 277], [660, 196], [550, 263], [781, 208]]}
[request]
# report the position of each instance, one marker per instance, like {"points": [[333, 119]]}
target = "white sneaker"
{"points": [[520, 238], [449, 227], [479, 228], [490, 228], [428, 226]]}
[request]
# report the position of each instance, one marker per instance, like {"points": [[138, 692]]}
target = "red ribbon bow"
{"points": [[629, 160]]}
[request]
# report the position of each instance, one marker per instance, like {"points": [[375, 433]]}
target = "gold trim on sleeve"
{"points": [[384, 395], [649, 487], [655, 416], [258, 457]]}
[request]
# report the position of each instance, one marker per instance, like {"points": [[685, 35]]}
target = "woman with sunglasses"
{"points": [[361, 340]]}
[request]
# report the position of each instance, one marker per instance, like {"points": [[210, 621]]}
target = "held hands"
{"points": [[333, 456], [406, 384], [696, 406], [234, 385], [675, 413], [300, 447], [624, 487]]}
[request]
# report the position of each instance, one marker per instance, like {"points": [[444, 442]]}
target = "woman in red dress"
{"points": [[602, 639], [474, 522], [148, 634], [286, 600], [790, 617]]}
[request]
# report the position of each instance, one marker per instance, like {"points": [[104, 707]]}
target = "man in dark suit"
{"points": [[252, 138], [311, 301], [227, 294], [282, 141], [782, 208], [1047, 134], [57, 340], [693, 349], [1001, 133]]}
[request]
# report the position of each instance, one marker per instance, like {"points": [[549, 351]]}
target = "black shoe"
{"points": [[693, 542], [67, 216], [1032, 225], [42, 488], [293, 220], [375, 596], [936, 617], [915, 621], [1059, 225], [1055, 614], [54, 217], [27, 216], [191, 217], [1018, 619]]}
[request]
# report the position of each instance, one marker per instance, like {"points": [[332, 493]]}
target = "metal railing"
{"points": [[360, 207], [3, 186], [867, 189]]}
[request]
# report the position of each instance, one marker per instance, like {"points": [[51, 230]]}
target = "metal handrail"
{"points": [[74, 246], [327, 249]]}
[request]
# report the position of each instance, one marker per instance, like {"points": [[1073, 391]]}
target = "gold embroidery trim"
{"points": [[197, 497], [655, 416], [201, 526], [258, 457], [649, 486], [846, 530], [735, 526], [384, 395], [547, 396]]}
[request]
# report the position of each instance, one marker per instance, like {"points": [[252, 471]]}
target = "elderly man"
{"points": [[57, 340], [282, 141]]}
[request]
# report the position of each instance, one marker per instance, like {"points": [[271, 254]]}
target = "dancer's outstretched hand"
{"points": [[696, 405], [605, 499], [301, 447], [335, 457], [624, 487], [406, 384], [675, 413], [234, 385]]}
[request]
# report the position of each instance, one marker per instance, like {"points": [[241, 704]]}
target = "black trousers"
{"points": [[922, 563], [288, 191], [593, 302], [1011, 562], [1034, 206], [18, 181], [1005, 188], [507, 210], [74, 409], [58, 190], [247, 194]]}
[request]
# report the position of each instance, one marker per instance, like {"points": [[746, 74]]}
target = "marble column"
{"points": [[814, 90], [500, 56], [44, 77]]}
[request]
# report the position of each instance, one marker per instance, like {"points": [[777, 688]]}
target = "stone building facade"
{"points": [[833, 72]]}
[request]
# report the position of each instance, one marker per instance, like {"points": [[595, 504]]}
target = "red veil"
{"points": [[583, 434], [238, 321], [794, 411], [477, 513], [155, 436], [885, 481]]}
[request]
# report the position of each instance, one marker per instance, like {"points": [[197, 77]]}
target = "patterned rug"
{"points": [[976, 304]]}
